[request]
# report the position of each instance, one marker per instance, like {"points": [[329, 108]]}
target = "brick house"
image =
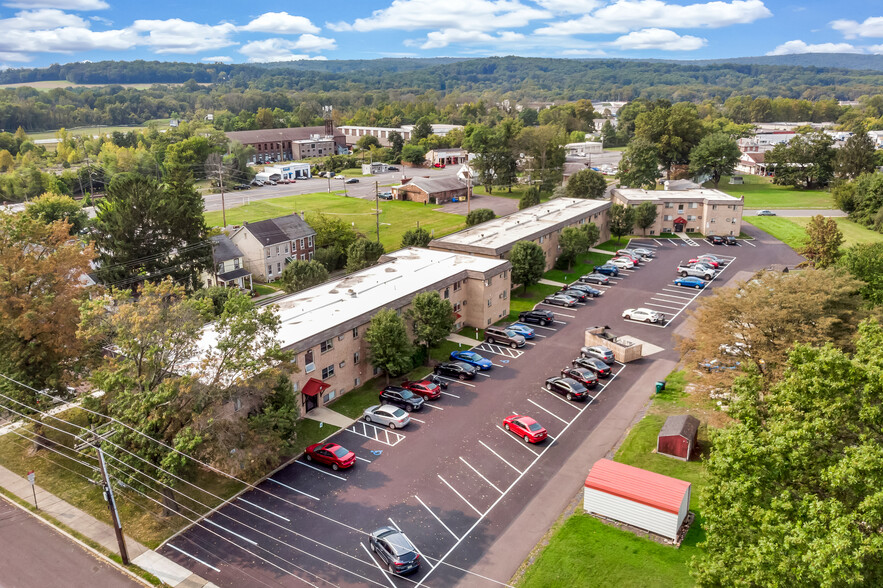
{"points": [[430, 190], [269, 245]]}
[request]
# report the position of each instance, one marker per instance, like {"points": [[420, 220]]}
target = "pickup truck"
{"points": [[686, 269]]}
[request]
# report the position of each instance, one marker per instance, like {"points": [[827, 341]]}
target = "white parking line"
{"points": [[244, 538], [674, 293], [293, 489], [560, 313], [516, 439], [418, 420], [547, 410], [374, 561], [433, 406], [547, 391], [658, 326], [453, 380], [500, 456], [374, 432], [363, 459], [449, 394], [542, 327], [658, 241], [194, 558], [454, 535], [480, 475], [321, 471], [662, 306], [669, 302], [561, 322], [266, 510], [747, 242], [527, 343], [484, 374], [540, 336], [454, 490]]}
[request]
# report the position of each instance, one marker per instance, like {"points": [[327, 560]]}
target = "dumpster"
{"points": [[660, 386]]}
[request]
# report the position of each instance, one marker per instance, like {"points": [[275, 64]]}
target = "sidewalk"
{"points": [[102, 533], [329, 417], [552, 283], [463, 340]]}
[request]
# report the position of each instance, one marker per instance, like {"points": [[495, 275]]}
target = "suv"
{"points": [[697, 271], [503, 336], [731, 240], [607, 270], [394, 549], [542, 317], [401, 397], [603, 353]]}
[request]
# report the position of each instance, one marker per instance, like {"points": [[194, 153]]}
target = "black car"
{"points": [[593, 363], [455, 369], [392, 168], [570, 389], [592, 292], [595, 278], [731, 240], [391, 546], [584, 376], [542, 317], [575, 293], [716, 240], [401, 397]]}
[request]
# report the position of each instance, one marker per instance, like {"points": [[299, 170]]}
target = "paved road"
{"points": [[472, 497], [798, 212], [33, 554]]}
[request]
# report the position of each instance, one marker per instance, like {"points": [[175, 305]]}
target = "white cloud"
{"points": [[268, 50], [280, 23], [217, 59], [39, 20], [569, 6], [54, 31], [627, 15], [472, 15], [438, 39], [180, 36], [797, 46], [63, 4], [876, 49], [661, 39], [583, 53], [871, 27]]}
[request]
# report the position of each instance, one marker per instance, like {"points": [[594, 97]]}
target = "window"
{"points": [[342, 364], [447, 293], [503, 294], [667, 217], [694, 204], [269, 270], [457, 307], [541, 239], [691, 217], [375, 371], [714, 207], [286, 248], [457, 286], [308, 361], [311, 255], [303, 256], [302, 244], [329, 397], [356, 333], [356, 383], [277, 250], [488, 281], [279, 267], [327, 372], [488, 301], [221, 267], [268, 252], [236, 263], [310, 241], [356, 358], [326, 345], [652, 232], [489, 321], [668, 205]]}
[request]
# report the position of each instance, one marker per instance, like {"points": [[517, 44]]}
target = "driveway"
{"points": [[501, 205]]}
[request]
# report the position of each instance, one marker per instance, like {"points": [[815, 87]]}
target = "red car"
{"points": [[425, 388], [584, 376], [440, 165], [706, 261], [331, 454], [525, 427]]}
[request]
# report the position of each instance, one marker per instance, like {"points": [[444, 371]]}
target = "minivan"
{"points": [[503, 336]]}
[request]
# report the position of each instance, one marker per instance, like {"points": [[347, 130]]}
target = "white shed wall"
{"points": [[685, 506], [635, 514]]}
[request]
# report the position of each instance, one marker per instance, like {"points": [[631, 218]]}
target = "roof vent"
{"points": [[352, 293]]}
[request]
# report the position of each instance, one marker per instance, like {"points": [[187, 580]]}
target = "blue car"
{"points": [[690, 282], [472, 358], [607, 269], [522, 330]]}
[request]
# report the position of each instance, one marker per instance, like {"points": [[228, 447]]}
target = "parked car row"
{"points": [[723, 240]]}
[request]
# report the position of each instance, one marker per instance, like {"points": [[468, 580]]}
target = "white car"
{"points": [[387, 415], [622, 263], [643, 315]]}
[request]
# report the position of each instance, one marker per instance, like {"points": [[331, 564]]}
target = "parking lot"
{"points": [[454, 480]]}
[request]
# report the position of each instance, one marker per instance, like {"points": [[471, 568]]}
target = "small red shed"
{"points": [[677, 438]]}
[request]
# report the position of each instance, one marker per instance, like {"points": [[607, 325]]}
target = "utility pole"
{"points": [[107, 489], [377, 210], [221, 185], [468, 193]]}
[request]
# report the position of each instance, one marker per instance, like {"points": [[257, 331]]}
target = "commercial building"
{"points": [[269, 245], [584, 148], [541, 224], [431, 190], [353, 133], [272, 145], [325, 325], [446, 156], [706, 211], [289, 171]]}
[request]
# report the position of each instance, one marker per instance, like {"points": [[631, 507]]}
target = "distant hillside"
{"points": [[822, 60]]}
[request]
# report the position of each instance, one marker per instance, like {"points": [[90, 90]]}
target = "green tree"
{"points": [[432, 319], [478, 216], [543, 148], [586, 183], [645, 215], [806, 161], [264, 118], [333, 258], [49, 208], [414, 154], [673, 130], [715, 155], [823, 245], [593, 233], [608, 134], [422, 129], [791, 481], [639, 166], [389, 348], [145, 231], [361, 254], [528, 263], [366, 142], [573, 242], [856, 157], [620, 220], [302, 274], [418, 237], [396, 143], [530, 198], [865, 262]]}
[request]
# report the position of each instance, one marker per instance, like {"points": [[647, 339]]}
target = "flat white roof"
{"points": [[518, 226], [700, 193]]}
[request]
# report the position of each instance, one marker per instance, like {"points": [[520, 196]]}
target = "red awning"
{"points": [[680, 221], [314, 387]]}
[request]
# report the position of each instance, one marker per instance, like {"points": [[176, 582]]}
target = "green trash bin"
{"points": [[660, 386]]}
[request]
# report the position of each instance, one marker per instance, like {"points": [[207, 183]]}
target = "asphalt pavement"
{"points": [[34, 554], [471, 496]]}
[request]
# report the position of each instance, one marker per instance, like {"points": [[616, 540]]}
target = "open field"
{"points": [[760, 192], [95, 130], [791, 230], [396, 217]]}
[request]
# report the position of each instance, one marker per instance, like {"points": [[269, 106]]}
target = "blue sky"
{"points": [[41, 32]]}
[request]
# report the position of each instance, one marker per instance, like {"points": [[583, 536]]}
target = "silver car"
{"points": [[387, 415], [601, 352], [560, 300], [644, 252]]}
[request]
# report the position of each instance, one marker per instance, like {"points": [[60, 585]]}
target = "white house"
{"points": [[375, 167], [646, 500], [290, 171]]}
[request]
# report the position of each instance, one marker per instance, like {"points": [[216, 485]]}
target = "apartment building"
{"points": [[267, 246], [541, 224], [702, 210]]}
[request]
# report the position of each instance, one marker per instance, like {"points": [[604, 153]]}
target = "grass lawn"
{"points": [[310, 431], [760, 192], [614, 148], [853, 233], [396, 216], [517, 191], [792, 230], [471, 333], [586, 265], [263, 289]]}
